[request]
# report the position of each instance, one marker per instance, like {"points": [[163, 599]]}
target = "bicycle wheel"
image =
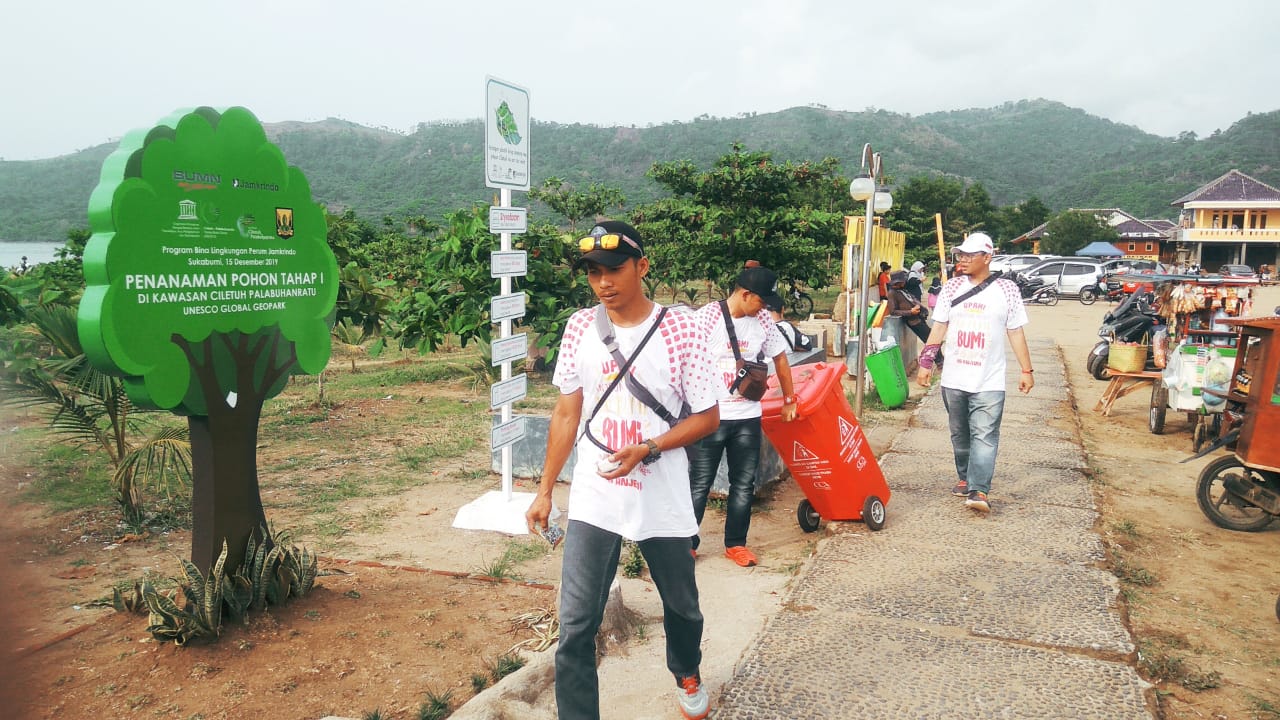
{"points": [[1088, 296]]}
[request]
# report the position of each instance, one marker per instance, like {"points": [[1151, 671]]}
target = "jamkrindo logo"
{"points": [[506, 123], [284, 222]]}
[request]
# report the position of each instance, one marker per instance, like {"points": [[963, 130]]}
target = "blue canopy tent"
{"points": [[1100, 249]]}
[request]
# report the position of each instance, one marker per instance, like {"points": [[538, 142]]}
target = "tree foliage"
{"points": [[1071, 230], [1062, 155], [744, 207]]}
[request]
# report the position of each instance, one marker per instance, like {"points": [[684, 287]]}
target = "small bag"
{"points": [[752, 378]]}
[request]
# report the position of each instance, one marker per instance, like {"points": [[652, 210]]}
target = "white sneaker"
{"points": [[694, 702]]}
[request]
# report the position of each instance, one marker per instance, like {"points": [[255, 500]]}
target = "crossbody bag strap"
{"points": [[973, 291], [733, 336], [604, 329]]}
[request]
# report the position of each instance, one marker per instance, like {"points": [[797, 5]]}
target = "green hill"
{"points": [[1062, 155]]}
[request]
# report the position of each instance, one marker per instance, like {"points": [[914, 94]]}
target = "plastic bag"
{"points": [[1160, 347]]}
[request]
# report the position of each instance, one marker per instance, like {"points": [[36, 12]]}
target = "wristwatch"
{"points": [[654, 452]]}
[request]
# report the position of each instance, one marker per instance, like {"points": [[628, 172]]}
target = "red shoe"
{"points": [[741, 555]]}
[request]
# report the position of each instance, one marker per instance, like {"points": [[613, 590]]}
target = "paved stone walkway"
{"points": [[946, 613]]}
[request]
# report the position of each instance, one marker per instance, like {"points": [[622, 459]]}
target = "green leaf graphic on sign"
{"points": [[208, 274], [507, 124]]}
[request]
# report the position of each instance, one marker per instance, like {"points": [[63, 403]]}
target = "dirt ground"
{"points": [[1200, 600]]}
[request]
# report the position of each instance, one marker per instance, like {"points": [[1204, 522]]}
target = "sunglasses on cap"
{"points": [[608, 241]]}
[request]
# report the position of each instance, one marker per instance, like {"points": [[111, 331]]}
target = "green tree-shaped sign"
{"points": [[208, 282]]}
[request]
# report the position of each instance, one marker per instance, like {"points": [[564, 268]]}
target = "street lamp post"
{"points": [[867, 187]]}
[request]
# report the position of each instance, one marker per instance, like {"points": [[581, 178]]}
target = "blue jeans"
{"points": [[588, 568], [974, 419], [740, 440]]}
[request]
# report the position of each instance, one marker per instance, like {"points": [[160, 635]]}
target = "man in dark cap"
{"points": [[739, 320], [634, 364]]}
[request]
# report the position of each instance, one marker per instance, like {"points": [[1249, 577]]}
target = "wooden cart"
{"points": [[1241, 491]]}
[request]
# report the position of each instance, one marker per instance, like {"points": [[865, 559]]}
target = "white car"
{"points": [[1015, 263], [1068, 275]]}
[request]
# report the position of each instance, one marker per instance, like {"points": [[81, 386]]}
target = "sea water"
{"points": [[11, 253]]}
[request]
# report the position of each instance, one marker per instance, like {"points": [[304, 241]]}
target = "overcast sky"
{"points": [[81, 72]]}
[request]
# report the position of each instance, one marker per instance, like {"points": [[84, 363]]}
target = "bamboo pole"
{"points": [[942, 250]]}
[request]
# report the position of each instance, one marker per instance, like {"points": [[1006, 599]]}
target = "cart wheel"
{"points": [[1159, 406], [873, 512], [1223, 508], [1200, 435], [807, 516]]}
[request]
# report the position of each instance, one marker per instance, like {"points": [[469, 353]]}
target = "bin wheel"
{"points": [[807, 516], [1159, 406], [873, 513]]}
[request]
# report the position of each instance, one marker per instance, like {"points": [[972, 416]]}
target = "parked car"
{"points": [[1068, 274], [1237, 271], [1016, 263], [1124, 265]]}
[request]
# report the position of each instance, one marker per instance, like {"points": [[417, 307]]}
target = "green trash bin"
{"points": [[890, 376]]}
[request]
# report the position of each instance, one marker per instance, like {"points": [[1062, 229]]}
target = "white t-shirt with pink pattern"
{"points": [[977, 331], [653, 500], [755, 333]]}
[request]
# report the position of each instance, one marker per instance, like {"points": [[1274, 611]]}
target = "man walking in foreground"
{"points": [[974, 314], [633, 364]]}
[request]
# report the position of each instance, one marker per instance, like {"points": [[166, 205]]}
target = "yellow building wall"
{"points": [[886, 246]]}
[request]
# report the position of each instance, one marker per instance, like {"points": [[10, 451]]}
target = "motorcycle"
{"points": [[1132, 320], [1034, 290], [1105, 289]]}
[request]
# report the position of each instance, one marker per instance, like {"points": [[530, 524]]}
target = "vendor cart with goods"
{"points": [[1196, 347], [1241, 490]]}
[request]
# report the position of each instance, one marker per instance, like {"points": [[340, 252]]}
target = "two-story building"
{"points": [[1233, 219], [1139, 239]]}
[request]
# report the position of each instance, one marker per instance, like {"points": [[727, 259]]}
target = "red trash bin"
{"points": [[825, 449]]}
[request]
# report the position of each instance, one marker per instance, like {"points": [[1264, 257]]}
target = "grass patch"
{"points": [[1126, 528], [436, 706], [1134, 574], [71, 478], [427, 371], [517, 550], [1159, 660], [633, 563], [503, 665]]}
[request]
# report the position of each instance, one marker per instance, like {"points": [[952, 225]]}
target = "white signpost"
{"points": [[508, 219], [506, 167], [505, 350]]}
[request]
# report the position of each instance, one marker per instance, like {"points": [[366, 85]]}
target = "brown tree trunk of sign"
{"points": [[226, 503]]}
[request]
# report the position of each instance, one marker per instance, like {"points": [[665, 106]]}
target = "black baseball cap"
{"points": [[619, 255], [763, 282]]}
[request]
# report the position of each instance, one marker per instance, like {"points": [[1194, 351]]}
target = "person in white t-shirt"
{"points": [[631, 478], [738, 436], [795, 339], [975, 325]]}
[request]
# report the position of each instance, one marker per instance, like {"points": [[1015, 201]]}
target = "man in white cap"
{"points": [[975, 312]]}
